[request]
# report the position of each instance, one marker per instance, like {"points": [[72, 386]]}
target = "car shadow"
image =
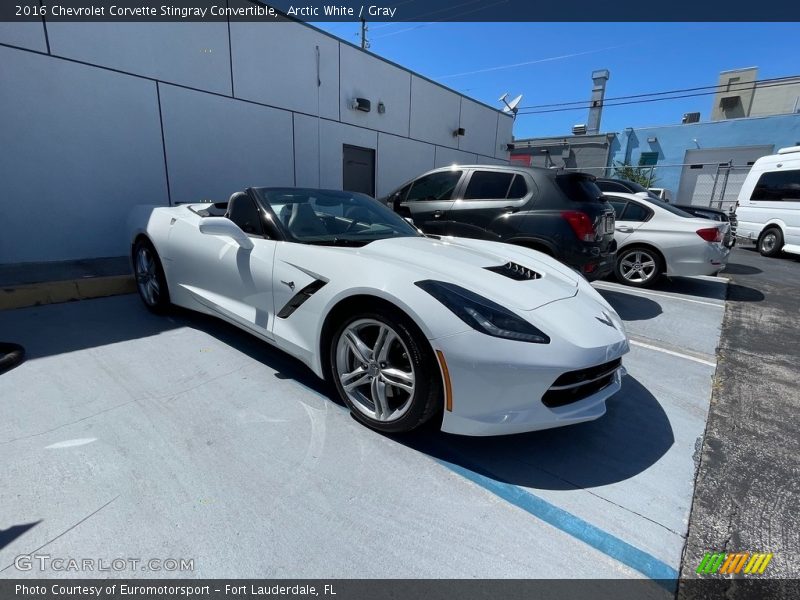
{"points": [[284, 365], [71, 326], [9, 535], [740, 269], [630, 307], [633, 435]]}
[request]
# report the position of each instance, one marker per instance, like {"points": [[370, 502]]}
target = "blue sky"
{"points": [[642, 57]]}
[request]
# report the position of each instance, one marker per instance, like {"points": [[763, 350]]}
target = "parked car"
{"points": [[715, 214], [561, 214], [661, 193], [490, 338], [768, 207], [655, 238]]}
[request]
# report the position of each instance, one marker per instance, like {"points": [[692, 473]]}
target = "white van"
{"points": [[768, 207]]}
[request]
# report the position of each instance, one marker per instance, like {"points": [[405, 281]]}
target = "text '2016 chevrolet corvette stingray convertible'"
{"points": [[484, 337]]}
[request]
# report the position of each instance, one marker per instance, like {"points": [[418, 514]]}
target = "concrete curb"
{"points": [[54, 292]]}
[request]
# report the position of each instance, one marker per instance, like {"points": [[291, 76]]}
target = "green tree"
{"points": [[642, 175]]}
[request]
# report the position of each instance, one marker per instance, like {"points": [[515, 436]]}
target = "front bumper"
{"points": [[498, 385]]}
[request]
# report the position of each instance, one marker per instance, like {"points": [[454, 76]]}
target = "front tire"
{"points": [[385, 372], [151, 283], [770, 242], [638, 266]]}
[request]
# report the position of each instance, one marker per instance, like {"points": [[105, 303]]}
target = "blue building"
{"points": [[703, 163]]}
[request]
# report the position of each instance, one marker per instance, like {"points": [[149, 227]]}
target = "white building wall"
{"points": [[76, 155], [435, 113], [215, 144], [26, 34], [193, 54], [400, 159], [276, 64], [118, 114], [362, 76]]}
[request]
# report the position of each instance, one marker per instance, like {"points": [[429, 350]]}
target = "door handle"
{"points": [[437, 214], [625, 229]]}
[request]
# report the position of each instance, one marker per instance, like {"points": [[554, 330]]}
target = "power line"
{"points": [[587, 103], [564, 108]]}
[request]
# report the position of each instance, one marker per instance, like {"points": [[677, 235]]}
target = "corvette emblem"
{"points": [[289, 283], [606, 320]]}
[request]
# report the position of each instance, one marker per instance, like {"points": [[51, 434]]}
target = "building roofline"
{"points": [[386, 60], [715, 122]]}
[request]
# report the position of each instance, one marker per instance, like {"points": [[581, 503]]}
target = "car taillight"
{"points": [[581, 224], [710, 234]]}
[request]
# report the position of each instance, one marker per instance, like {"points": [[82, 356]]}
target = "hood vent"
{"points": [[515, 271]]}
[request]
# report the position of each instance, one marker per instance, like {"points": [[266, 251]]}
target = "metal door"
{"points": [[358, 169]]}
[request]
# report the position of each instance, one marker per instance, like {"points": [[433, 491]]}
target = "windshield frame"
{"points": [[393, 221]]}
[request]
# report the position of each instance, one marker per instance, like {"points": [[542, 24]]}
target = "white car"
{"points": [[655, 238], [768, 207], [487, 337]]}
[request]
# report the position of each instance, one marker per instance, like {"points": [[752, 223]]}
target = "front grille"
{"points": [[515, 271], [577, 385]]}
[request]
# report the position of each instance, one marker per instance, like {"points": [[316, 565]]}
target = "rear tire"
{"points": [[151, 283], [385, 372], [770, 242], [638, 266]]}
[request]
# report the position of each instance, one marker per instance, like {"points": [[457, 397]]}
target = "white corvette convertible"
{"points": [[484, 337]]}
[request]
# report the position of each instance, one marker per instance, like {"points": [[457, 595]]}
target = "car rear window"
{"points": [[579, 188]]}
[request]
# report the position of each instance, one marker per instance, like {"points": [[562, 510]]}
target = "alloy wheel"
{"points": [[375, 371], [638, 266], [146, 276]]}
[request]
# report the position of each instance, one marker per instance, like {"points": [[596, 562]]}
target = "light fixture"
{"points": [[381, 108], [361, 104], [459, 131], [652, 140]]}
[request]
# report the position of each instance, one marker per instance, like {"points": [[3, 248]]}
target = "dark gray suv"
{"points": [[561, 214]]}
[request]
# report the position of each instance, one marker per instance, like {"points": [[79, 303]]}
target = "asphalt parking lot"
{"points": [[130, 435]]}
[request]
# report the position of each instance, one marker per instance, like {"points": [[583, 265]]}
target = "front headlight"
{"points": [[482, 314]]}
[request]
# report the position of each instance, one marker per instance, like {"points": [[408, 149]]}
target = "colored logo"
{"points": [[734, 562]]}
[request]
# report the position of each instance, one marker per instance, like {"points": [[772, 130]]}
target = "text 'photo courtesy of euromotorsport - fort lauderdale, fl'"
{"points": [[431, 299]]}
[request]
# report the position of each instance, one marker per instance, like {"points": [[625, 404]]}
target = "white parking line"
{"points": [[697, 359], [636, 292]]}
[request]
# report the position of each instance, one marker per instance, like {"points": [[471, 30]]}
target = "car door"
{"points": [[630, 216], [226, 278], [488, 199], [429, 198]]}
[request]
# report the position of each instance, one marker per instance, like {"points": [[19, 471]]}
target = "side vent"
{"points": [[515, 271], [299, 298]]}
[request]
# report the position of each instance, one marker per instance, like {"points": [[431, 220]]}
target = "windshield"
{"points": [[331, 217]]}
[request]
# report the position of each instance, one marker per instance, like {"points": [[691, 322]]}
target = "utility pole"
{"points": [[364, 40]]}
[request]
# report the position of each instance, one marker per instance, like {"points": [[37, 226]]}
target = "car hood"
{"points": [[464, 262]]}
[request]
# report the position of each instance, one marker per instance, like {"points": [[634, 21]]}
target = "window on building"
{"points": [[648, 159], [488, 185], [436, 186], [778, 186]]}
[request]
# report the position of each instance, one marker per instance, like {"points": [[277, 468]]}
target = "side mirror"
{"points": [[224, 227]]}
